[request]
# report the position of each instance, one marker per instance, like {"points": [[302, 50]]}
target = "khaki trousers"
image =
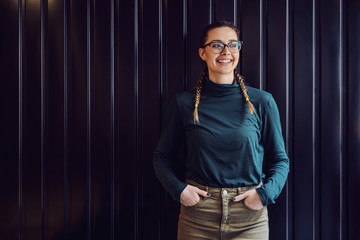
{"points": [[218, 217]]}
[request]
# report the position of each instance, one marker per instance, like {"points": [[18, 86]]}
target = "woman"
{"points": [[228, 128]]}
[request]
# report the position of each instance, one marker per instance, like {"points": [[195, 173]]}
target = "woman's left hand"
{"points": [[251, 199]]}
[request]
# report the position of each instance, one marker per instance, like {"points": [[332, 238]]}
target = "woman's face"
{"points": [[222, 64]]}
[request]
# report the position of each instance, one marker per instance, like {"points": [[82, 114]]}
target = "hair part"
{"points": [[211, 26]]}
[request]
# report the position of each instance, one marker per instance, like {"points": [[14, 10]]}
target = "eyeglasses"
{"points": [[218, 47]]}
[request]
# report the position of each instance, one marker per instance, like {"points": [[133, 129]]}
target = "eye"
{"points": [[217, 45], [233, 44]]}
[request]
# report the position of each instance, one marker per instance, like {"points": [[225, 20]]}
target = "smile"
{"points": [[224, 61]]}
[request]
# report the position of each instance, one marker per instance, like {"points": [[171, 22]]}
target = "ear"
{"points": [[202, 53]]}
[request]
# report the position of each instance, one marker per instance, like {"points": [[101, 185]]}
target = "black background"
{"points": [[84, 86]]}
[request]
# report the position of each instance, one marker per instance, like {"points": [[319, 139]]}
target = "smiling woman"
{"points": [[220, 61], [226, 192]]}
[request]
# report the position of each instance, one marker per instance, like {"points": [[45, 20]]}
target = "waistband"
{"points": [[219, 191]]}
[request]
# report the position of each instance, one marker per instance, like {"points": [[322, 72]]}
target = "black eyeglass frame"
{"points": [[225, 45]]}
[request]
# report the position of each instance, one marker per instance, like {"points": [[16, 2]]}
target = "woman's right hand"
{"points": [[190, 195]]}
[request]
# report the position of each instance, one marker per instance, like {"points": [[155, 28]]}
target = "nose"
{"points": [[226, 50]]}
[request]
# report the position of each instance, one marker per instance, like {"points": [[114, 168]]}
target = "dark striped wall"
{"points": [[83, 89]]}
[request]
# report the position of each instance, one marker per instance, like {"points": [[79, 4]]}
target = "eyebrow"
{"points": [[231, 40]]}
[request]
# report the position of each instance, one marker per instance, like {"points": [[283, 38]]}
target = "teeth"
{"points": [[224, 61]]}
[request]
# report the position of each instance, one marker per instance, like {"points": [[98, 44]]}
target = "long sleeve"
{"points": [[277, 165], [167, 150]]}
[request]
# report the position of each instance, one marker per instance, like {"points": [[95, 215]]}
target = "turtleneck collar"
{"points": [[211, 88]]}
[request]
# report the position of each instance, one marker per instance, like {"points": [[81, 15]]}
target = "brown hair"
{"points": [[205, 73]]}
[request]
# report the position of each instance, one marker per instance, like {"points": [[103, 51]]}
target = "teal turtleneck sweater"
{"points": [[227, 148]]}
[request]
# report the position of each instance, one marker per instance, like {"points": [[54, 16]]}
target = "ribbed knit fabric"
{"points": [[227, 148]]}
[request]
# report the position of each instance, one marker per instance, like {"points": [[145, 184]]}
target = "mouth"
{"points": [[224, 61]]}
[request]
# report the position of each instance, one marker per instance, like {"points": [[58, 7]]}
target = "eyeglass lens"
{"points": [[218, 47]]}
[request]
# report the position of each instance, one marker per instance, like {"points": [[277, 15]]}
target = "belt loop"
{"points": [[239, 191], [207, 189]]}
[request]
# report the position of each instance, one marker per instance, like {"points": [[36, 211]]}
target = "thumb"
{"points": [[240, 197], [202, 193]]}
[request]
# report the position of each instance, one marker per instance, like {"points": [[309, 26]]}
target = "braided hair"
{"points": [[198, 88], [241, 83], [205, 74]]}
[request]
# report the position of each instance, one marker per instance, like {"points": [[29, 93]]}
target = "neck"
{"points": [[222, 78]]}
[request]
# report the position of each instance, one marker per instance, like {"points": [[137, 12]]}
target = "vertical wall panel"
{"points": [[112, 119], [77, 135], [276, 56], [198, 17], [54, 121], [43, 105], [175, 41], [250, 52], [276, 84], [116, 126], [289, 114], [316, 113], [9, 83], [31, 174], [90, 90], [127, 92], [66, 117], [223, 10], [20, 117], [343, 119], [101, 120], [263, 38], [138, 48], [303, 151], [84, 88], [353, 122], [330, 121], [149, 103]]}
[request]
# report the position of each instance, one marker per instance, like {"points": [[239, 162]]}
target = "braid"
{"points": [[198, 88], [241, 83]]}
